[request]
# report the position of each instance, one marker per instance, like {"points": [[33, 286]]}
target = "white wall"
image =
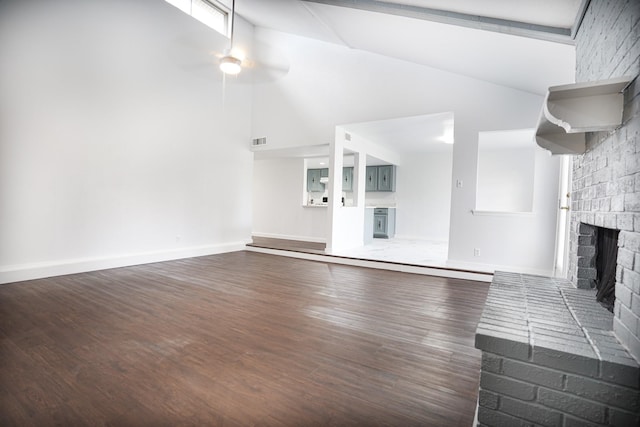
{"points": [[506, 168], [519, 242], [505, 179], [329, 85], [277, 202], [115, 147], [423, 196]]}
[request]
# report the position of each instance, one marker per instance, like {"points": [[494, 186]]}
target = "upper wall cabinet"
{"points": [[347, 179], [315, 184], [386, 178], [381, 178], [313, 181], [372, 178]]}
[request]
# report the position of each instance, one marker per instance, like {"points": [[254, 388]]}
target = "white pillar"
{"points": [[336, 154]]}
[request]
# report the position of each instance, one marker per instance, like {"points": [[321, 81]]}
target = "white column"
{"points": [[336, 154]]}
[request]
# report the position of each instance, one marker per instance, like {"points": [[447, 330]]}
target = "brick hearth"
{"points": [[549, 357]]}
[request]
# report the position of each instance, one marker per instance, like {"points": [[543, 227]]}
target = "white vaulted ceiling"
{"points": [[522, 44]]}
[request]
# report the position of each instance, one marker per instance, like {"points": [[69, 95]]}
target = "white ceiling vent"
{"points": [[259, 141], [569, 111]]}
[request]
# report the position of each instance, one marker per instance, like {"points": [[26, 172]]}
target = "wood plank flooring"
{"points": [[288, 245], [239, 339]]}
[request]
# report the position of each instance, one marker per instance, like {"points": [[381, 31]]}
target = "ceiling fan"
{"points": [[263, 62], [230, 64], [239, 63]]}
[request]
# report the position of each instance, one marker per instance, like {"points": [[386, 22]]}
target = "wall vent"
{"points": [[347, 136], [259, 141]]}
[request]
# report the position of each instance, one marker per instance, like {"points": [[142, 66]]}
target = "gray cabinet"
{"points": [[386, 178], [313, 181], [347, 179], [381, 178], [384, 223], [372, 178]]}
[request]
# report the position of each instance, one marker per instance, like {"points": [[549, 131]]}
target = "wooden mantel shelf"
{"points": [[571, 110]]}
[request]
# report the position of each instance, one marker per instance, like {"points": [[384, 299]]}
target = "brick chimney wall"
{"points": [[606, 179]]}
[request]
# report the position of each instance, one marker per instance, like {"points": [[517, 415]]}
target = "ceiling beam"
{"points": [[505, 26]]}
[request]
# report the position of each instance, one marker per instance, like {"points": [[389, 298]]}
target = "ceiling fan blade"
{"points": [[265, 63]]}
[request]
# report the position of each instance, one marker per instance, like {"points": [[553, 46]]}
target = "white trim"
{"points": [[288, 237], [31, 271], [491, 268], [427, 271], [477, 212]]}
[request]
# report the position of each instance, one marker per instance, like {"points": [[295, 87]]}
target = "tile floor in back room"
{"points": [[406, 251]]}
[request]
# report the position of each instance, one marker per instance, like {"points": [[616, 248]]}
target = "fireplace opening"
{"points": [[606, 264]]}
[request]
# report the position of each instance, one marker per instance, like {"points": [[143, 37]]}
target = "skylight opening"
{"points": [[209, 12]]}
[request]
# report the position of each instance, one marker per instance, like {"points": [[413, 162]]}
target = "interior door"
{"points": [[564, 218]]}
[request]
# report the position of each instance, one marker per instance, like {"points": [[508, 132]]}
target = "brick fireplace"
{"points": [[551, 354], [606, 179]]}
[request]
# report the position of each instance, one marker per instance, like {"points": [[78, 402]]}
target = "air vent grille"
{"points": [[259, 141], [347, 136]]}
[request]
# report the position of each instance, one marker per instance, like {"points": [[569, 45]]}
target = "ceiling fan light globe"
{"points": [[230, 65]]}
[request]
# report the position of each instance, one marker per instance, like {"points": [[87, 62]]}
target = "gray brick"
{"points": [[586, 251], [626, 258], [633, 345], [587, 273], [493, 418], [617, 203], [570, 421], [622, 397], [624, 222], [556, 358], [585, 284], [629, 319], [531, 412], [631, 240], [623, 294], [636, 222], [586, 229], [586, 261], [631, 279], [610, 220], [577, 406], [507, 386], [619, 418], [635, 304], [599, 219], [533, 374], [504, 326], [488, 399], [491, 363], [503, 344]]}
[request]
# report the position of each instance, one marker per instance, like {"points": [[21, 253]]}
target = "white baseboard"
{"points": [[31, 271], [491, 268], [428, 271], [289, 237]]}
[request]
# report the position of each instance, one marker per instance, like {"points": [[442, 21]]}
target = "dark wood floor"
{"points": [[239, 339], [288, 245]]}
